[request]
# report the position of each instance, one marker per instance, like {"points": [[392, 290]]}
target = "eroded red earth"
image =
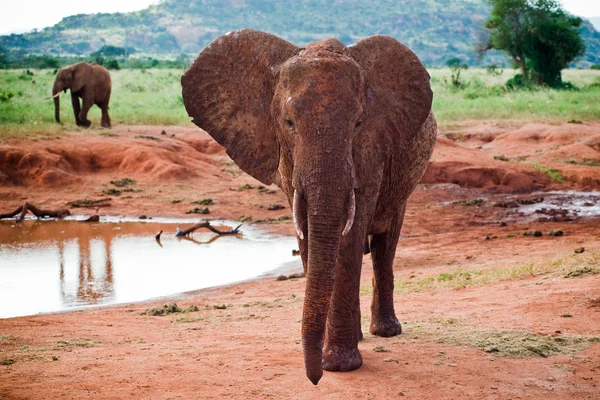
{"points": [[467, 274]]}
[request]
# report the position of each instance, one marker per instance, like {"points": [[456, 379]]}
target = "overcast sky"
{"points": [[25, 15]]}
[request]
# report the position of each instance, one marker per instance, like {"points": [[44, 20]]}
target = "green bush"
{"points": [[6, 95], [519, 82]]}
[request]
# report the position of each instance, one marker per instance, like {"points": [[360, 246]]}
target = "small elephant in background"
{"points": [[91, 83], [346, 133]]}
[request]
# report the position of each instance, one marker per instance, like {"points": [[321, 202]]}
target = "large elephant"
{"points": [[91, 83], [346, 133]]}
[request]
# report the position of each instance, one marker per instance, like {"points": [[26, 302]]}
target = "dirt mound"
{"points": [[518, 159], [19, 165], [64, 161], [471, 168], [533, 139]]}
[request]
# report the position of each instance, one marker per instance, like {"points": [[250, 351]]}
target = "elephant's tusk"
{"points": [[351, 213], [53, 97], [296, 211]]}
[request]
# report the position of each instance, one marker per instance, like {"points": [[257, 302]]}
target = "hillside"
{"points": [[434, 29]]}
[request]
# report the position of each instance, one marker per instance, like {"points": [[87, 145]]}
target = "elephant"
{"points": [[346, 133], [91, 83]]}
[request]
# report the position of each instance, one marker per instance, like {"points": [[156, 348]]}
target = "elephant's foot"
{"points": [[342, 359], [385, 326]]}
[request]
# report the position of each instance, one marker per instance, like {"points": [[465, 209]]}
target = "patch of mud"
{"points": [[554, 206]]}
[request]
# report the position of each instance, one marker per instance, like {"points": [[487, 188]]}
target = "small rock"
{"points": [[381, 349], [295, 252], [391, 360], [533, 233], [220, 306], [555, 233], [503, 223], [143, 217], [579, 250], [282, 278], [163, 132]]}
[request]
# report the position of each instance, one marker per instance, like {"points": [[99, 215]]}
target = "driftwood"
{"points": [[39, 213], [207, 225]]}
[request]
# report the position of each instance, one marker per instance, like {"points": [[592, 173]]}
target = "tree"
{"points": [[539, 35], [456, 65], [3, 57]]}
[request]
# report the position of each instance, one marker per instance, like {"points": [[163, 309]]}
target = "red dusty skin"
{"points": [[324, 235]]}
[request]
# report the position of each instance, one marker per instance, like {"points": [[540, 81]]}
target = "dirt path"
{"points": [[486, 311]]}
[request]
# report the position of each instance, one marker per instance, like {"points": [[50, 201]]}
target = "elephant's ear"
{"points": [[228, 90], [82, 74], [398, 95]]}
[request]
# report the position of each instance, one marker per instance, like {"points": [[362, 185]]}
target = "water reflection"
{"points": [[107, 263]]}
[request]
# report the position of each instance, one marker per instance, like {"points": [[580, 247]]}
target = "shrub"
{"points": [[6, 95]]}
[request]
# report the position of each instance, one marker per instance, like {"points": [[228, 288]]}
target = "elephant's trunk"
{"points": [[328, 207], [56, 96]]}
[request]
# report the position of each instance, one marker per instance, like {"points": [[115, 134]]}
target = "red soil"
{"points": [[252, 348]]}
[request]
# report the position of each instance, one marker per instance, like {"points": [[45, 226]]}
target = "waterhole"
{"points": [[49, 266]]}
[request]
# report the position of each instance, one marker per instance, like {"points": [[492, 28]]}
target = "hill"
{"points": [[434, 29]]}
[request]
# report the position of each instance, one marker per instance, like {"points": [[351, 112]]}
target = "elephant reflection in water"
{"points": [[90, 290]]}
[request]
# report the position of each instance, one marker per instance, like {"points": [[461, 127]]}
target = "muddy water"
{"points": [[48, 266]]}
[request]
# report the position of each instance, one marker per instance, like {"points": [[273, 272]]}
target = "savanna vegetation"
{"points": [[540, 37], [154, 97], [435, 29]]}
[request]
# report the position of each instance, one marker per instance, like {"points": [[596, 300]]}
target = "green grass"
{"points": [[486, 99], [555, 175], [518, 343], [571, 266], [153, 97]]}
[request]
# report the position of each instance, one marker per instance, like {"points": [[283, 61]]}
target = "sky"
{"points": [[24, 15]]}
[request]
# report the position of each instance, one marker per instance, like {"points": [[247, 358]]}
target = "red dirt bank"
{"points": [[252, 348]]}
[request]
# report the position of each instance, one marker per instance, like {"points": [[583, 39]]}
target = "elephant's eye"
{"points": [[289, 123], [358, 124]]}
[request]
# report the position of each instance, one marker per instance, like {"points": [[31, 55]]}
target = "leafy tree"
{"points": [[113, 51], [3, 57], [456, 65], [539, 35]]}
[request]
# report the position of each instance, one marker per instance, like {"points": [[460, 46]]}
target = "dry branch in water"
{"points": [[39, 213], [207, 225]]}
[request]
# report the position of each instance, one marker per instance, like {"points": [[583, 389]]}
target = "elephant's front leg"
{"points": [[343, 321], [383, 249], [76, 107]]}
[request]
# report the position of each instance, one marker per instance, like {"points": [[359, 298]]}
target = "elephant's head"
{"points": [[72, 77], [291, 116]]}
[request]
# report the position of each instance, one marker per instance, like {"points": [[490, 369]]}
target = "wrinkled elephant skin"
{"points": [[346, 133], [89, 82]]}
